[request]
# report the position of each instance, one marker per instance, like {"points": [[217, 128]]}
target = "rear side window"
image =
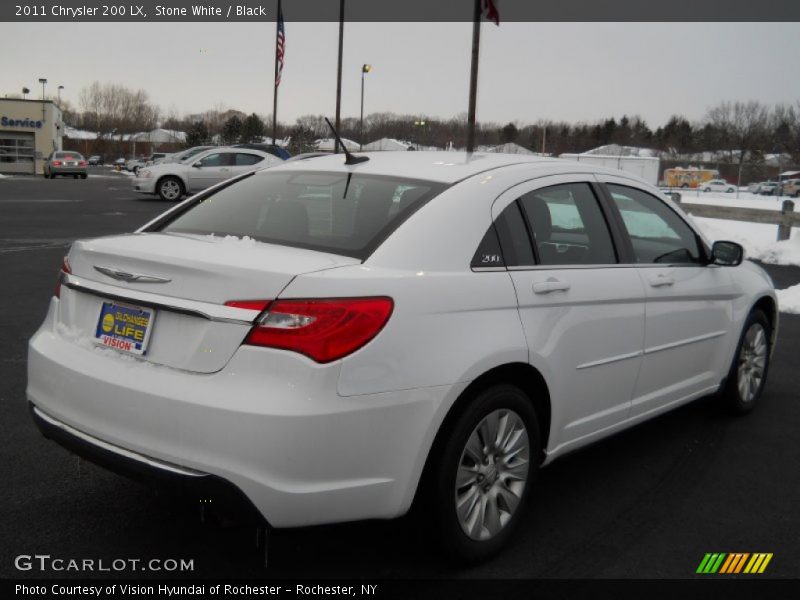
{"points": [[514, 237], [348, 214], [658, 235], [243, 160], [568, 226]]}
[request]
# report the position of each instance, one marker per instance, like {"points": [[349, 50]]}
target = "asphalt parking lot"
{"points": [[648, 503]]}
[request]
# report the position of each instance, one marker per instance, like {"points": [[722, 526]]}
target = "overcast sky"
{"points": [[528, 71]]}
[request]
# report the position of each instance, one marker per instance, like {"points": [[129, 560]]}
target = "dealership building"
{"points": [[29, 131]]}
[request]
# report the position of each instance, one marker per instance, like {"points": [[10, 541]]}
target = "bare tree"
{"points": [[742, 128], [112, 107]]}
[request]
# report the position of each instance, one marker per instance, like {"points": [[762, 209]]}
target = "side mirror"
{"points": [[197, 165], [727, 254]]}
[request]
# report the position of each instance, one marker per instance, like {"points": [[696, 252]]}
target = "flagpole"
{"points": [[473, 77], [275, 79], [339, 77]]}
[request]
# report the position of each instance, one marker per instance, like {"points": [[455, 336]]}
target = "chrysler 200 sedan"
{"points": [[338, 341]]}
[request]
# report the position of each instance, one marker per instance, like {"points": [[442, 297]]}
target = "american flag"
{"points": [[280, 45]]}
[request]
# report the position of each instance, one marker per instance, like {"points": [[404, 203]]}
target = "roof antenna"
{"points": [[351, 159]]}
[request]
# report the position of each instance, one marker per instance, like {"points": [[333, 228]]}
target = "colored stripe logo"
{"points": [[734, 563]]}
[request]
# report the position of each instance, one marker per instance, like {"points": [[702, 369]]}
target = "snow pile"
{"points": [[232, 239], [758, 239], [3, 176], [327, 144], [789, 299], [617, 150], [78, 134]]}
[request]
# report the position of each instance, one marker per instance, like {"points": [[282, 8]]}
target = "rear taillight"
{"points": [[82, 163], [322, 329], [258, 305], [65, 268], [56, 163]]}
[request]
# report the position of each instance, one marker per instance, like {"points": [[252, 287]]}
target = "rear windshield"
{"points": [[68, 154], [348, 214]]}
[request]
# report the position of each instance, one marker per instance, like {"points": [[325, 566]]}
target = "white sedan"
{"points": [[718, 185], [338, 341], [171, 181]]}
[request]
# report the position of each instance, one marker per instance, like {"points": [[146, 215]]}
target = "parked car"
{"points": [[96, 159], [120, 162], [768, 188], [170, 181], [319, 336], [273, 149], [65, 162], [184, 155], [718, 185], [791, 187], [135, 163]]}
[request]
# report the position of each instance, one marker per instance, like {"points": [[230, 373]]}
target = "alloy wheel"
{"points": [[492, 473], [752, 362]]}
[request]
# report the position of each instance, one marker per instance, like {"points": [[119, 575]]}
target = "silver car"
{"points": [[65, 162]]}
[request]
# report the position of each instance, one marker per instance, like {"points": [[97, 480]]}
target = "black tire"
{"points": [[84, 176], [75, 176], [442, 495], [740, 398], [707, 189], [170, 189], [684, 186]]}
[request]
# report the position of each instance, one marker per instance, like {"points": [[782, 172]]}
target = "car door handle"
{"points": [[550, 285], [661, 280]]}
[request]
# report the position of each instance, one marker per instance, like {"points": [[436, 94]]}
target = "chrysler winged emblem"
{"points": [[130, 277]]}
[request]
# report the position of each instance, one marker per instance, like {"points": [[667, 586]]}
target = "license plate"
{"points": [[125, 327]]}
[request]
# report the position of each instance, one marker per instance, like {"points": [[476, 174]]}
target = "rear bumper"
{"points": [[270, 423], [202, 486], [68, 170]]}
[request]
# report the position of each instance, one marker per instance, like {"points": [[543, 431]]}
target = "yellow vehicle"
{"points": [[688, 178]]}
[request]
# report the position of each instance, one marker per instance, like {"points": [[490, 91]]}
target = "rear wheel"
{"points": [[480, 480], [170, 189], [748, 372], [84, 176]]}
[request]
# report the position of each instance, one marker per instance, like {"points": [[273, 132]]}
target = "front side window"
{"points": [[348, 214], [657, 233], [568, 226]]}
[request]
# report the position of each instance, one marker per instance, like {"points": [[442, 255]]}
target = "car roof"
{"points": [[444, 167]]}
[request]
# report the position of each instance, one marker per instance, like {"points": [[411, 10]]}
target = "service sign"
{"points": [[124, 327]]}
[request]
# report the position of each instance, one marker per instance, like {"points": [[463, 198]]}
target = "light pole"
{"points": [[422, 125], [43, 81], [364, 70], [61, 87]]}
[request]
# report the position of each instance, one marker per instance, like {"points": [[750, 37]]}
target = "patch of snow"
{"points": [[232, 239], [758, 239], [789, 299], [745, 200], [617, 150]]}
